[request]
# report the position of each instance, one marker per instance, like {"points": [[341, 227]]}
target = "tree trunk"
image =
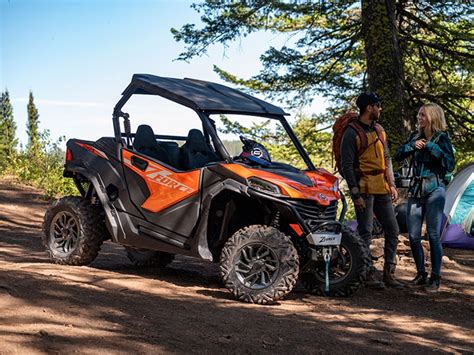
{"points": [[384, 67]]}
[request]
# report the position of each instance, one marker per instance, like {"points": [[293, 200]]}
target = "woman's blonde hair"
{"points": [[435, 115]]}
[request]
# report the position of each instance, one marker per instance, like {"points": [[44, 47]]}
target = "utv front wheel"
{"points": [[146, 257], [259, 264], [347, 268], [73, 231]]}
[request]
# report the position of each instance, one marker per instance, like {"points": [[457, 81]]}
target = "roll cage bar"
{"points": [[206, 122]]}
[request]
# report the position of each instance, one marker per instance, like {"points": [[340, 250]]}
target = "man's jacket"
{"points": [[371, 171]]}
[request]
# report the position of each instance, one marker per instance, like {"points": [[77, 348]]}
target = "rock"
{"points": [[376, 248], [403, 249], [447, 260]]}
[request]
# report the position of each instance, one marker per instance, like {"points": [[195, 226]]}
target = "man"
{"points": [[369, 175]]}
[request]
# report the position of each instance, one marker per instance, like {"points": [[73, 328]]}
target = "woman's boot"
{"points": [[421, 279], [433, 283]]}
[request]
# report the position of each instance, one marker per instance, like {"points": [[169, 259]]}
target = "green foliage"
{"points": [[234, 148], [44, 169], [34, 144], [327, 51], [463, 159], [8, 140], [41, 164], [256, 131], [279, 144]]}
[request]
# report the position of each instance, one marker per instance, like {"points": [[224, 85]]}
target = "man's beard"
{"points": [[374, 116]]}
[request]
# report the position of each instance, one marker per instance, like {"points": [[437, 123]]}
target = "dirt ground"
{"points": [[113, 307]]}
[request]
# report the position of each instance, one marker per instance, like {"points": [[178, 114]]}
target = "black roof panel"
{"points": [[201, 95]]}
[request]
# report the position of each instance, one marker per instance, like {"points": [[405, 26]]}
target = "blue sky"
{"points": [[78, 55]]}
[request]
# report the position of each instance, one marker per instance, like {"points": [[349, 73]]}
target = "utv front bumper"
{"points": [[319, 224]]}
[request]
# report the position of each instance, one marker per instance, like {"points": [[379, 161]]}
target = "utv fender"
{"points": [[112, 220], [201, 233], [234, 186]]}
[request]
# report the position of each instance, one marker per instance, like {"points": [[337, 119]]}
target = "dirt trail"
{"points": [[112, 307]]}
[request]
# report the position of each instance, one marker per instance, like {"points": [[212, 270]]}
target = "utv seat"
{"points": [[172, 151], [195, 152], [145, 143]]}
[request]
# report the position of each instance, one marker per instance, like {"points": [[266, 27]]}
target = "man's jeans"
{"points": [[431, 207], [382, 205]]}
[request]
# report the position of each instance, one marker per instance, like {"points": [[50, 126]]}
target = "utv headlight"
{"points": [[263, 186]]}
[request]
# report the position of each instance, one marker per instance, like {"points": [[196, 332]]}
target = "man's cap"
{"points": [[367, 98]]}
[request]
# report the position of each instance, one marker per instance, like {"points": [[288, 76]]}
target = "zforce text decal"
{"points": [[166, 187]]}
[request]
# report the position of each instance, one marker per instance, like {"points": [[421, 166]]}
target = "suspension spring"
{"points": [[276, 220]]}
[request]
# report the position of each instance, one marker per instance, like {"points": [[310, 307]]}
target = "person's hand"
{"points": [[394, 193], [420, 144], [359, 204]]}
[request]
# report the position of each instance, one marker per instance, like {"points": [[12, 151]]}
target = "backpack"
{"points": [[346, 120]]}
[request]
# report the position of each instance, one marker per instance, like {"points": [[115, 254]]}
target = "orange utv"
{"points": [[266, 223]]}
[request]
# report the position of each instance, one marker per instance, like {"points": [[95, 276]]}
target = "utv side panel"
{"points": [[167, 187], [151, 236], [168, 193]]}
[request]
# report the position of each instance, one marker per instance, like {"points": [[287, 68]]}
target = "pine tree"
{"points": [[8, 140], [34, 139], [409, 51]]}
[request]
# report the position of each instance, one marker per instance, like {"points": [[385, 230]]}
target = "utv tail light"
{"points": [[68, 155]]}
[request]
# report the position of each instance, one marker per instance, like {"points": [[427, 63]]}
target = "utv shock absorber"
{"points": [[275, 220]]}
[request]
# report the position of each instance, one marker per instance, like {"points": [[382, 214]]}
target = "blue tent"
{"points": [[459, 210]]}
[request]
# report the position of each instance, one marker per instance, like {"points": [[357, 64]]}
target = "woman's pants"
{"points": [[431, 207]]}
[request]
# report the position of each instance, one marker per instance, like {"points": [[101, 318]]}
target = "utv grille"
{"points": [[311, 211]]}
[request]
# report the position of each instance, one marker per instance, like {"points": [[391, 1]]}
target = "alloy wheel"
{"points": [[257, 266]]}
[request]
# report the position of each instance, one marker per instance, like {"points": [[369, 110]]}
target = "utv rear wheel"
{"points": [[73, 231], [259, 264], [146, 257], [347, 269]]}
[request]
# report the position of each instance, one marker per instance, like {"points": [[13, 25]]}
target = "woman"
{"points": [[432, 157]]}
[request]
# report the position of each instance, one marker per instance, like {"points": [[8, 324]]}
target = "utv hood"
{"points": [[318, 185]]}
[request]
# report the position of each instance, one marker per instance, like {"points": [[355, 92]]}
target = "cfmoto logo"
{"points": [[256, 152], [323, 197]]}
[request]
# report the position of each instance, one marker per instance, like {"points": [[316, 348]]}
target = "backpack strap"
{"points": [[379, 130], [362, 136]]}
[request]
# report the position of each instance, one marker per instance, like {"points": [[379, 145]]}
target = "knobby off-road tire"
{"points": [[146, 257], [73, 231], [259, 264], [347, 271]]}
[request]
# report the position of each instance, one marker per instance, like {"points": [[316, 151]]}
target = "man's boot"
{"points": [[372, 282], [388, 278]]}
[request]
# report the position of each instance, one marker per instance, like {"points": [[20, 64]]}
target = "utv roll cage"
{"points": [[205, 98]]}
